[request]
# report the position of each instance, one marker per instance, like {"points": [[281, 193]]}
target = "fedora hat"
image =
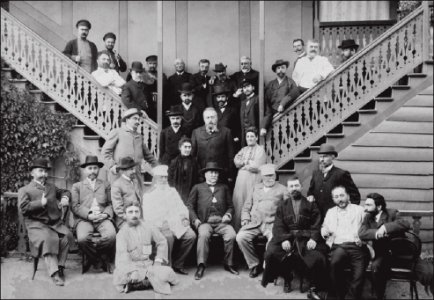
{"points": [[130, 112], [175, 110], [348, 44], [137, 66], [91, 160], [186, 88], [109, 35], [220, 89], [279, 62], [83, 23], [211, 166], [219, 67], [126, 163], [327, 149], [40, 163]]}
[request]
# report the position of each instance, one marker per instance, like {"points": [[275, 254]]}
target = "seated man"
{"points": [[296, 242], [257, 215], [107, 77], [211, 210], [379, 225], [134, 267], [42, 205], [163, 208], [93, 211], [340, 230]]}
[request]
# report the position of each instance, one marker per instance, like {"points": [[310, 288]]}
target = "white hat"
{"points": [[160, 170], [268, 169]]}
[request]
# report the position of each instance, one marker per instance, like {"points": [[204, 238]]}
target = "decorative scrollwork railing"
{"points": [[391, 56], [64, 81]]}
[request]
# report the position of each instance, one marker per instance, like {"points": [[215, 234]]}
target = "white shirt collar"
{"points": [[39, 182], [187, 107], [326, 170], [176, 129], [180, 73]]}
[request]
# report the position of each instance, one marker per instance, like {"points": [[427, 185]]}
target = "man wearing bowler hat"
{"points": [[220, 78], [93, 212], [175, 82], [81, 50], [249, 110], [349, 48], [191, 114], [211, 210], [280, 93], [43, 207], [126, 141], [116, 61], [170, 136], [327, 177]]}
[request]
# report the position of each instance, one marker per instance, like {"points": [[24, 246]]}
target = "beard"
{"points": [[92, 176], [105, 65], [296, 194]]}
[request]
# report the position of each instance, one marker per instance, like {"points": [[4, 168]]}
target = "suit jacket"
{"points": [[43, 222], [169, 144], [119, 64], [229, 85], [191, 118], [230, 119], [174, 85], [200, 92], [200, 201], [183, 175], [252, 76], [124, 190], [216, 147], [83, 195], [249, 116], [134, 95], [394, 227], [321, 188], [71, 49]]}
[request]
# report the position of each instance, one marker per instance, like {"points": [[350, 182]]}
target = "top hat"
{"points": [[327, 149], [279, 62], [246, 82], [83, 23], [220, 89], [130, 112], [126, 163], [109, 35], [219, 67], [175, 110], [186, 88], [348, 44], [160, 170], [211, 166], [91, 160], [137, 66], [40, 163], [267, 169], [151, 58]]}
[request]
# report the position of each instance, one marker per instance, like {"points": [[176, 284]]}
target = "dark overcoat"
{"points": [[169, 140], [183, 175]]}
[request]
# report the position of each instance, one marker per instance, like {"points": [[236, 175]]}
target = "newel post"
{"points": [[426, 36]]}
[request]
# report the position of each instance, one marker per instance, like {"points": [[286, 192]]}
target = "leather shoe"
{"points": [[57, 280], [62, 272], [312, 294], [199, 272], [287, 286], [231, 269], [181, 271], [255, 271]]}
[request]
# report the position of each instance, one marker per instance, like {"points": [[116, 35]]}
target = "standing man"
{"points": [[170, 136], [126, 141], [257, 216], [42, 205], [220, 78], [211, 209], [246, 73], [82, 51], [134, 92], [328, 177], [280, 93], [340, 230], [379, 225], [298, 46], [249, 110], [116, 61], [93, 212], [175, 83], [349, 48], [200, 84], [213, 143], [107, 77], [311, 69], [191, 114]]}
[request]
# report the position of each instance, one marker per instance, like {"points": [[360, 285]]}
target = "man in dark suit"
{"points": [[81, 50], [134, 91], [220, 78], [296, 243], [191, 115], [116, 61], [170, 136], [200, 84], [378, 226], [213, 143], [246, 73], [327, 177], [211, 209], [175, 83], [249, 110]]}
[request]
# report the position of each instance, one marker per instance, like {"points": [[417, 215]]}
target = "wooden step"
{"points": [[427, 91], [401, 87], [7, 73], [421, 101], [374, 181], [400, 194], [396, 140], [405, 127], [386, 154], [20, 84], [384, 99], [335, 135], [417, 75], [78, 126], [91, 137], [386, 167], [367, 111], [346, 123], [412, 114]]}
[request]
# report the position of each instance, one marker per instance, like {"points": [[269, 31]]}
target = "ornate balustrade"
{"points": [[64, 81], [391, 56]]}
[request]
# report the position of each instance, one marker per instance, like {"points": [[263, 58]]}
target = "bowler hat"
{"points": [[130, 112], [109, 35], [246, 82], [160, 170], [219, 67], [40, 163], [267, 169], [327, 149], [175, 111], [186, 88], [348, 44], [83, 23], [126, 163], [211, 166], [137, 66], [220, 89], [279, 62], [151, 58], [91, 160]]}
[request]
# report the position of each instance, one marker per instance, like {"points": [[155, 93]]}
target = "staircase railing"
{"points": [[392, 55], [64, 81]]}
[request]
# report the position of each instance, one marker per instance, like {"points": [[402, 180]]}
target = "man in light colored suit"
{"points": [[128, 187], [93, 212], [257, 216]]}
